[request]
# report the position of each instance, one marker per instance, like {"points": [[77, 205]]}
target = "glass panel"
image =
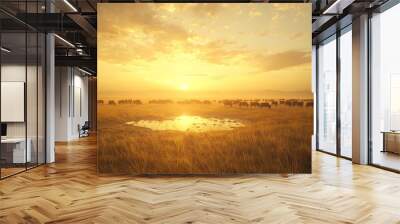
{"points": [[31, 100], [346, 94], [385, 86], [23, 91], [41, 99], [32, 90], [13, 88], [327, 96]]}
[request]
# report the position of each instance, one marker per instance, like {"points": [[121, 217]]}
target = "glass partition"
{"points": [[22, 92], [14, 153], [327, 95], [31, 100]]}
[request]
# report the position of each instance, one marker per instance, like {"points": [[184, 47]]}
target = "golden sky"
{"points": [[159, 50]]}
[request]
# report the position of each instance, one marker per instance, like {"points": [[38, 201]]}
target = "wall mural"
{"points": [[204, 88]]}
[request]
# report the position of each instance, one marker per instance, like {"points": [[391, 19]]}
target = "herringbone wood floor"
{"points": [[70, 191]]}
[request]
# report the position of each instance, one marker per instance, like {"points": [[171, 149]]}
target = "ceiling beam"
{"points": [[78, 61], [337, 7], [85, 25]]}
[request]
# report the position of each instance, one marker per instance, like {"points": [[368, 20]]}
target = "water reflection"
{"points": [[189, 123]]}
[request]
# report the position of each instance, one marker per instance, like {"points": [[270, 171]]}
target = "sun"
{"points": [[184, 87]]}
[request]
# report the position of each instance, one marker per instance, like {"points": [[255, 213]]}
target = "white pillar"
{"points": [[360, 89], [50, 91], [50, 99]]}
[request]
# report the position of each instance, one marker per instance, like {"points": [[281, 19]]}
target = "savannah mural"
{"points": [[204, 88]]}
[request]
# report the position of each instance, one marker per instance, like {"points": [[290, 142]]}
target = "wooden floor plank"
{"points": [[70, 191]]}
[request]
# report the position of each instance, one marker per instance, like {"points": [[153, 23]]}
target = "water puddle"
{"points": [[189, 123]]}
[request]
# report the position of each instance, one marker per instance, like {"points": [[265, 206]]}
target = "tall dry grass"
{"points": [[274, 140]]}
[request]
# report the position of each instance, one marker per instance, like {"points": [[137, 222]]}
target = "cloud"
{"points": [[287, 7], [282, 60], [254, 13], [140, 33], [136, 34], [196, 75], [224, 52], [296, 35], [204, 9], [220, 52], [198, 9], [264, 33]]}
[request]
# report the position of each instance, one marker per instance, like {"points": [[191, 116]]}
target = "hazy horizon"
{"points": [[176, 95]]}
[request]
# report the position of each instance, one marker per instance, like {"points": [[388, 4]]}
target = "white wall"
{"points": [[62, 81], [33, 127], [12, 73], [71, 102], [80, 110]]}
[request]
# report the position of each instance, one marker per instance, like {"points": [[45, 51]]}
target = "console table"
{"points": [[13, 150], [391, 141]]}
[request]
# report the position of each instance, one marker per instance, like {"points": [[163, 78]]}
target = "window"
{"points": [[385, 89], [346, 92], [327, 96], [394, 102]]}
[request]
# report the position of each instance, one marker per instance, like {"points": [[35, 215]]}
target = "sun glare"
{"points": [[184, 87]]}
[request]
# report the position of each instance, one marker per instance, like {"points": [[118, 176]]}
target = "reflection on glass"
{"points": [[385, 93], [31, 100], [327, 96], [14, 153], [395, 102], [23, 89]]}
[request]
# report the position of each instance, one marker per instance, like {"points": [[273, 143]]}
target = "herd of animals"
{"points": [[268, 103], [256, 103]]}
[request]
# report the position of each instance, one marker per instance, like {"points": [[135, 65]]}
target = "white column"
{"points": [[360, 89], [50, 99], [50, 92]]}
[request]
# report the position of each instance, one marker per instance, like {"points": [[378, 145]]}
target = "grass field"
{"points": [[276, 140]]}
